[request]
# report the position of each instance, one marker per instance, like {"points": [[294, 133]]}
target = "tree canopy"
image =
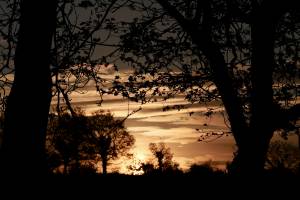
{"points": [[111, 139], [85, 140]]}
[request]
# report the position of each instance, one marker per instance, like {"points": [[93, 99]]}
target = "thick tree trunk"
{"points": [[26, 116], [263, 111], [262, 105], [264, 114]]}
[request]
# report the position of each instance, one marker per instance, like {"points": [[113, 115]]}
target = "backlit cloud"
{"points": [[176, 128]]}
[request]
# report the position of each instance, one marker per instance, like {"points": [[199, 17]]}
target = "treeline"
{"points": [[77, 145]]}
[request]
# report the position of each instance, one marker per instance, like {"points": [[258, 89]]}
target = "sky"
{"points": [[178, 129], [175, 128]]}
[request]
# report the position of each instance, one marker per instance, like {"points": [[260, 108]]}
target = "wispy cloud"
{"points": [[176, 128]]}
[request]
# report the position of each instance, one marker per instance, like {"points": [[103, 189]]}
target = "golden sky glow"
{"points": [[176, 128]]}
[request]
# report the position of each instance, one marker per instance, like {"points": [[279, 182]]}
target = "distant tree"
{"points": [[68, 140], [204, 169], [201, 169], [148, 168], [163, 157], [110, 138]]}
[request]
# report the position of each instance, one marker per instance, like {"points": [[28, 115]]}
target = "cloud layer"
{"points": [[176, 128]]}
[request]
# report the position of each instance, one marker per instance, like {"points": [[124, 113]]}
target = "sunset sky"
{"points": [[176, 128]]}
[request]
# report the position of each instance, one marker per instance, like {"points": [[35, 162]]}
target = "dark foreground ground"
{"points": [[150, 187]]}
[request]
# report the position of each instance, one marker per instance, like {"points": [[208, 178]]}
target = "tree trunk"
{"points": [[26, 115], [264, 114], [104, 166], [263, 111], [160, 163], [262, 63], [253, 140]]}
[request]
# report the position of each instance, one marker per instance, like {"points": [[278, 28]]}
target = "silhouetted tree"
{"points": [[163, 156], [111, 138], [148, 168], [201, 169], [24, 136], [69, 139], [73, 61], [228, 50]]}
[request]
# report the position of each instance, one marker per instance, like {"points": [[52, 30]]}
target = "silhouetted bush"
{"points": [[205, 169]]}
